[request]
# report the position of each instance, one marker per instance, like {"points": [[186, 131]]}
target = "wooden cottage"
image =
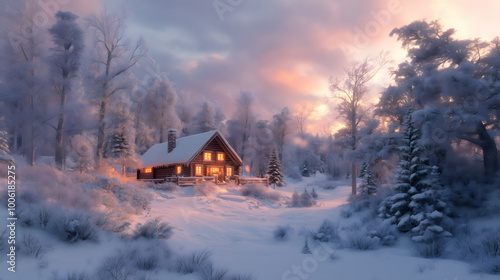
{"points": [[201, 155]]}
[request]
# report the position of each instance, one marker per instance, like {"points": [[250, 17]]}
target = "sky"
{"points": [[284, 51]]}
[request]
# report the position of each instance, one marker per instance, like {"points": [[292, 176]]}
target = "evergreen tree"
{"points": [[81, 153], [275, 171], [305, 249], [304, 169], [368, 187], [362, 170], [314, 194], [295, 199], [430, 211], [412, 171], [306, 199]]}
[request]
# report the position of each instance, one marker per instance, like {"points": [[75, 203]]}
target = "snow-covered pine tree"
{"points": [[275, 171], [306, 199], [430, 211], [305, 249], [304, 169], [121, 148], [412, 170], [295, 199], [81, 153], [362, 170], [314, 194], [368, 187]]}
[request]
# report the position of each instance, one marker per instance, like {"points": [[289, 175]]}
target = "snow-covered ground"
{"points": [[238, 231]]}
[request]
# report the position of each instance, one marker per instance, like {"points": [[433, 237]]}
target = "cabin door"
{"points": [[216, 171]]}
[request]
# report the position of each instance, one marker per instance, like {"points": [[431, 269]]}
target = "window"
{"points": [[220, 156], [178, 169], [229, 171], [207, 156], [148, 170], [199, 170]]}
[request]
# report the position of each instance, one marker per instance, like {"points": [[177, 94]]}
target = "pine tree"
{"points": [[314, 194], [304, 169], [81, 154], [412, 171], [121, 149], [430, 211], [305, 249], [275, 171], [362, 170], [368, 187], [306, 199], [295, 199]]}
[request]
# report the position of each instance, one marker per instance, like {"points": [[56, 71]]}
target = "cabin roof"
{"points": [[186, 149]]}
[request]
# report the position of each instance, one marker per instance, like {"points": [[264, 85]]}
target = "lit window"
{"points": [[178, 169], [148, 170], [229, 171], [199, 170], [220, 157], [207, 156]]}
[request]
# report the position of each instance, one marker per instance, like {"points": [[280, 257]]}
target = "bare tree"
{"points": [[65, 60], [112, 61], [350, 94], [301, 116]]}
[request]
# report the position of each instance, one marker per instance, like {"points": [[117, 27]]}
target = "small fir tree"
{"points": [[305, 249], [295, 199], [314, 194], [411, 179], [368, 186], [275, 171], [306, 199]]}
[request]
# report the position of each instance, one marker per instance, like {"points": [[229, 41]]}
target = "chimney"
{"points": [[172, 137]]}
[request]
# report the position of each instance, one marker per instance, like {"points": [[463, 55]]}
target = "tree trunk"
{"points": [[490, 153], [59, 154], [354, 177], [100, 135], [31, 149]]}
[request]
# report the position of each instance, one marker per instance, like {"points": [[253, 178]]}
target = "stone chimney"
{"points": [[172, 137]]}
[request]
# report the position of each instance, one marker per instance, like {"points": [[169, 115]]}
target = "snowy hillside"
{"points": [[239, 232]]}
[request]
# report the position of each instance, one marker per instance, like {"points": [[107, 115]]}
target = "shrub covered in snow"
{"points": [[31, 245], [193, 262], [303, 200], [260, 192], [165, 186], [327, 232], [434, 248], [75, 226], [153, 229], [360, 240], [241, 277], [306, 249], [205, 189], [210, 272], [283, 232], [115, 267]]}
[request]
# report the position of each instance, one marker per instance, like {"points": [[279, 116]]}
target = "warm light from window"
{"points": [[148, 170], [178, 170], [207, 156], [198, 170], [220, 156], [229, 171]]}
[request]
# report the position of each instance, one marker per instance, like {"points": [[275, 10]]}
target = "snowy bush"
{"points": [[327, 232], [241, 277], [490, 242], [75, 226], [193, 262], [205, 189], [107, 183], [114, 268], [210, 272], [166, 186], [283, 232], [346, 213], [303, 200], [153, 229], [260, 192], [361, 241], [135, 196], [327, 185], [386, 233], [31, 245], [431, 249], [76, 275]]}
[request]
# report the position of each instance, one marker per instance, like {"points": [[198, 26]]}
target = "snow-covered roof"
{"points": [[185, 150]]}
